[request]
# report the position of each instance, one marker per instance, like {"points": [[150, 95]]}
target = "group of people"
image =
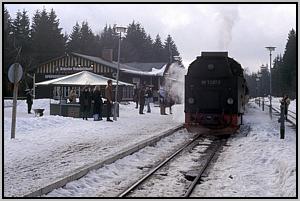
{"points": [[144, 96], [87, 97]]}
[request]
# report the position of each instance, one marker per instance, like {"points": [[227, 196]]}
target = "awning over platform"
{"points": [[81, 79]]}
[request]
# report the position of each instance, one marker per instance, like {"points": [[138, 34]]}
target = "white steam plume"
{"points": [[174, 82], [228, 16]]}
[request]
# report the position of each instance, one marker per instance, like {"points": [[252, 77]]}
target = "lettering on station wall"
{"points": [[74, 68]]}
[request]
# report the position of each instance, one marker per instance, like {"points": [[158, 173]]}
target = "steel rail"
{"points": [[144, 178], [202, 170], [278, 111]]}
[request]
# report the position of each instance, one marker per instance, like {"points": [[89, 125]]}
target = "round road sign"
{"points": [[14, 78]]}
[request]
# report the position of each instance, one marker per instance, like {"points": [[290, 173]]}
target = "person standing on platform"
{"points": [[149, 98], [85, 102], [97, 109], [142, 99], [108, 96], [136, 96], [29, 101], [162, 101], [286, 101], [72, 96]]}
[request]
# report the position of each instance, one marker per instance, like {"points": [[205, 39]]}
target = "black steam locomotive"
{"points": [[215, 94]]}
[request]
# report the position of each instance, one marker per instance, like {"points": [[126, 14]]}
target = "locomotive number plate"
{"points": [[210, 82]]}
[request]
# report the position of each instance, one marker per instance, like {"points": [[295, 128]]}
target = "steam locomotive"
{"points": [[215, 94]]}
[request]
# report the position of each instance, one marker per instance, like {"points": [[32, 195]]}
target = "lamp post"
{"points": [[116, 105], [270, 49]]}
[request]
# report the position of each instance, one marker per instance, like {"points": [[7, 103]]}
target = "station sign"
{"points": [[75, 68]]}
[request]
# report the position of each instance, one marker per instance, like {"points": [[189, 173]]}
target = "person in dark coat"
{"points": [[109, 99], [29, 97], [136, 96], [142, 99], [85, 100], [97, 99], [286, 102]]}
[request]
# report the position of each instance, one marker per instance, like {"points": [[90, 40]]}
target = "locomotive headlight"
{"points": [[230, 101], [191, 100]]}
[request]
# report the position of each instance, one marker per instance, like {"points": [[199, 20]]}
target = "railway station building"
{"points": [[153, 74]]}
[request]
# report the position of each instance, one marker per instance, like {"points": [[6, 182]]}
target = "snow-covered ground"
{"points": [[112, 179], [49, 147], [258, 165]]}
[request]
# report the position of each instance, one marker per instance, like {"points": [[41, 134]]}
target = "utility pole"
{"points": [[116, 105]]}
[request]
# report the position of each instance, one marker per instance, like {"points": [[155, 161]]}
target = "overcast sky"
{"points": [[241, 29]]}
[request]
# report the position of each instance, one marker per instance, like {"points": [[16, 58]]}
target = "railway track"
{"points": [[204, 160], [85, 169]]}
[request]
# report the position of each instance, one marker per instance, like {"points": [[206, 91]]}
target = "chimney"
{"points": [[107, 54]]}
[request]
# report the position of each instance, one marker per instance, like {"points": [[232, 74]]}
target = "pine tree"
{"points": [[8, 52], [22, 43], [58, 46], [87, 39], [74, 45], [48, 41], [170, 50], [148, 55], [158, 50], [109, 40], [8, 40], [289, 69], [276, 76], [135, 43]]}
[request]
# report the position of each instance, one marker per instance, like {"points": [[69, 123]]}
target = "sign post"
{"points": [[15, 73]]}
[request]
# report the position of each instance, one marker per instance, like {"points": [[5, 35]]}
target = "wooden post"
{"points": [[14, 110], [34, 86], [282, 120], [263, 104]]}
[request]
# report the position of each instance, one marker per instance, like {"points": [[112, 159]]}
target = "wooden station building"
{"points": [[133, 73]]}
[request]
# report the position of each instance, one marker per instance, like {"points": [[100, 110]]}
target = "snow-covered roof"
{"points": [[80, 79], [138, 68], [153, 72], [146, 67]]}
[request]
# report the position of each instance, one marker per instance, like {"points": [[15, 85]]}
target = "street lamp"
{"points": [[116, 105], [270, 49]]}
